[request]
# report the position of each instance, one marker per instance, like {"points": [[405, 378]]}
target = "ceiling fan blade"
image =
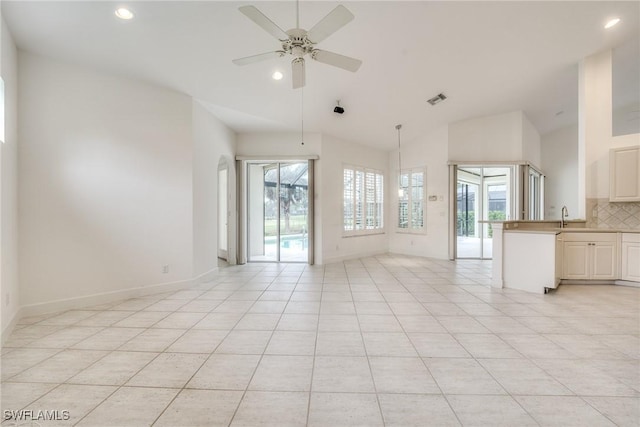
{"points": [[297, 75], [337, 60], [257, 58], [336, 19], [265, 23]]}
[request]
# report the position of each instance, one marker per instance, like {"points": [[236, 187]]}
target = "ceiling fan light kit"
{"points": [[299, 43]]}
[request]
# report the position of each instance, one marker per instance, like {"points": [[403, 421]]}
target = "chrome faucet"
{"points": [[563, 215]]}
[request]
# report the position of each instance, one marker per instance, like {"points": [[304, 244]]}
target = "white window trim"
{"points": [[363, 232], [423, 229], [2, 111]]}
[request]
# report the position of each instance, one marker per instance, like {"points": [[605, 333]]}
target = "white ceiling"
{"points": [[487, 57]]}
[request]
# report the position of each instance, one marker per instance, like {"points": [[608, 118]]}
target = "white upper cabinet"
{"points": [[624, 170]]}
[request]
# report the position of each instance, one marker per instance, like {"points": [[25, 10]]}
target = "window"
{"points": [[363, 200], [411, 200]]}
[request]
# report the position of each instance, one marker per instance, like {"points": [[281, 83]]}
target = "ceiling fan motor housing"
{"points": [[297, 45]]}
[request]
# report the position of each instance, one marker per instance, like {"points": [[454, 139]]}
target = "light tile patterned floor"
{"points": [[389, 340]]}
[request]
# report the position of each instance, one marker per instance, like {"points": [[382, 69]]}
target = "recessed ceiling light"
{"points": [[277, 75], [124, 13], [612, 22]]}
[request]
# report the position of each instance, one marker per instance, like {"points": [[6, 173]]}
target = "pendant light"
{"points": [[400, 190]]}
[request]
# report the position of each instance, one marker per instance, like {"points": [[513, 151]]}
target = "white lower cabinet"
{"points": [[604, 263], [590, 256], [630, 254], [576, 260]]}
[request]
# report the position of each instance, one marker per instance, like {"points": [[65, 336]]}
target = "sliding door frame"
{"points": [[519, 194], [243, 202]]}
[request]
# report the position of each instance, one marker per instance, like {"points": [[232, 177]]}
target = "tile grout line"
{"points": [[118, 387], [244, 393], [315, 349], [150, 327], [422, 359], [373, 381], [213, 351]]}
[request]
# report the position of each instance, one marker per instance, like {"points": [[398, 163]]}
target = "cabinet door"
{"points": [[624, 174], [576, 260], [603, 263], [630, 261]]}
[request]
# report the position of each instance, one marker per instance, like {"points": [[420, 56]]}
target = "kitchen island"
{"points": [[537, 256]]}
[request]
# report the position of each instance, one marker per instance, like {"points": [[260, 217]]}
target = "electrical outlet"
{"points": [[165, 269]]}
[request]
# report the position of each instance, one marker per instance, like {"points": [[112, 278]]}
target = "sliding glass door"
{"points": [[278, 211], [482, 194]]}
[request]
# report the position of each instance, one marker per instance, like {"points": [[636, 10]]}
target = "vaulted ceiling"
{"points": [[487, 57]]}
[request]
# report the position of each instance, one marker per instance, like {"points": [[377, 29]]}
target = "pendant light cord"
{"points": [[302, 115], [297, 13]]}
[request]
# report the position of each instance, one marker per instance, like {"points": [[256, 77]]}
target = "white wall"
{"points": [[429, 151], [484, 139], [335, 154], [105, 182], [595, 112], [559, 152], [530, 143], [278, 144], [506, 137], [9, 291], [212, 140]]}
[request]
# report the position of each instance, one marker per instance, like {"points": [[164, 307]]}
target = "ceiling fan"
{"points": [[299, 42]]}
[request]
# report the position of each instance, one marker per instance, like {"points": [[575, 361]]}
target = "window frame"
{"points": [[409, 172], [3, 119], [377, 204]]}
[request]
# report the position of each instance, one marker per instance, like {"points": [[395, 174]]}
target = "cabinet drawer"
{"points": [[590, 237], [631, 237]]}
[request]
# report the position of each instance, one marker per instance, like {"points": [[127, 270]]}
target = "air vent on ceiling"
{"points": [[437, 99]]}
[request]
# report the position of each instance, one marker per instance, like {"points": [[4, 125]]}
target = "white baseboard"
{"points": [[101, 298], [206, 276], [628, 283], [330, 260], [8, 329]]}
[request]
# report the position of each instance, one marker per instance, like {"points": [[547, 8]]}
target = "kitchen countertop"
{"points": [[569, 230]]}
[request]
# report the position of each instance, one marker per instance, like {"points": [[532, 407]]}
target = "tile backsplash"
{"points": [[603, 214]]}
